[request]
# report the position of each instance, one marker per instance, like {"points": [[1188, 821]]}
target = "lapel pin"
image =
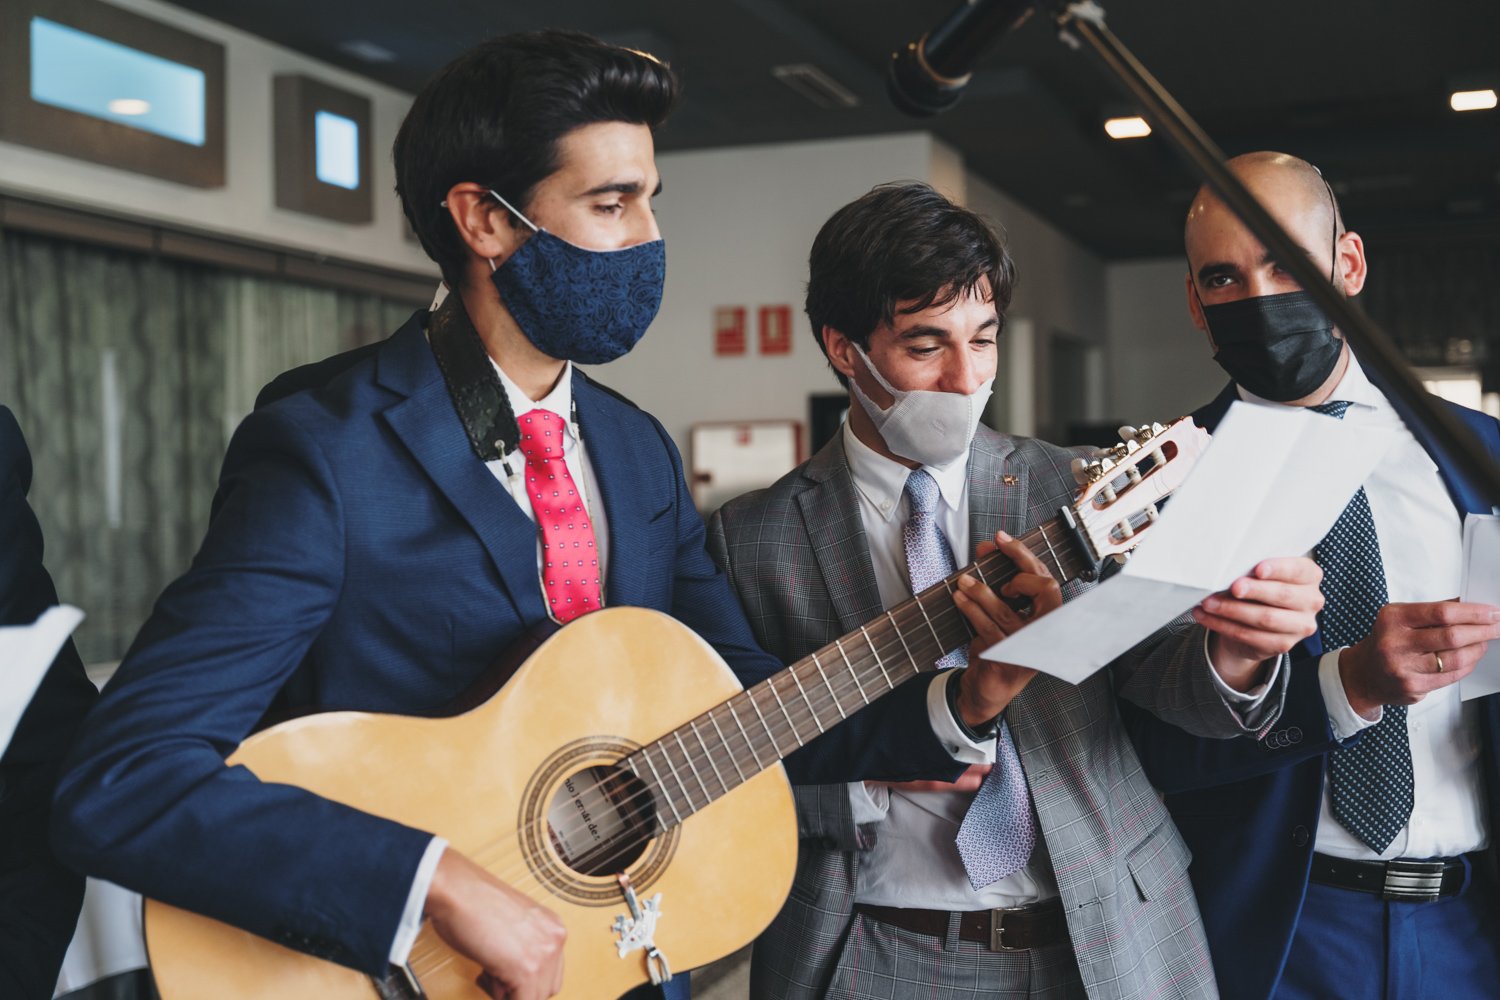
{"points": [[1010, 480]]}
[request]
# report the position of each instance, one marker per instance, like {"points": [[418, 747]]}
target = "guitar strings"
{"points": [[848, 681]]}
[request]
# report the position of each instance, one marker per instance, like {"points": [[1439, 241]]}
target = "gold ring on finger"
{"points": [[1439, 657]]}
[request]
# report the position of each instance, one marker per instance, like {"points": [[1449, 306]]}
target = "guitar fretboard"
{"points": [[714, 753]]}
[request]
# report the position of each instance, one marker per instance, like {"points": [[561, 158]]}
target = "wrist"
{"points": [[1238, 671], [976, 725], [1363, 706]]}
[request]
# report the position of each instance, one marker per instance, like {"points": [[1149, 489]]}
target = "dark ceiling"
{"points": [[1359, 88]]}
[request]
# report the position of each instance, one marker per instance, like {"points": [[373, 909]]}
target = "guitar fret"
{"points": [[787, 715], [687, 795], [709, 756], [687, 756], [854, 674], [922, 606], [878, 661], [723, 741], [646, 756], [1056, 563], [748, 741], [829, 685], [761, 716], [897, 628], [810, 707]]}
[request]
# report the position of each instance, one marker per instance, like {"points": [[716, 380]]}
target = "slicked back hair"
{"points": [[495, 114]]}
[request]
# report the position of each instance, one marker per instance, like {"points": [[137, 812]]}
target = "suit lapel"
{"points": [[997, 490], [830, 513], [428, 425], [620, 463]]}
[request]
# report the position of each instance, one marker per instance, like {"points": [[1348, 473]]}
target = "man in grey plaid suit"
{"points": [[906, 294]]}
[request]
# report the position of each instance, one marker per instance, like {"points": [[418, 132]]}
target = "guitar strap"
{"points": [[473, 385]]}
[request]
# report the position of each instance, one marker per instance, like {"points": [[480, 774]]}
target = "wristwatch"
{"points": [[987, 731]]}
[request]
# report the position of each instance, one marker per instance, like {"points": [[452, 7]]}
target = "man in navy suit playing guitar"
{"points": [[377, 541]]}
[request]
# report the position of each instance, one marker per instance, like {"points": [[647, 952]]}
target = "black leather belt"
{"points": [[1399, 879], [1015, 928]]}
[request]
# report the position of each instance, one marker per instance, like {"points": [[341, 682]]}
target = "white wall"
{"points": [[1060, 290], [245, 206], [1159, 363], [738, 224]]}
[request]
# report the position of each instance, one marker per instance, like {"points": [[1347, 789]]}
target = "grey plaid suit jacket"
{"points": [[797, 554]]}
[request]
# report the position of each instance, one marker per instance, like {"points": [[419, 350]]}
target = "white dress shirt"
{"points": [[1420, 534], [509, 472], [915, 861]]}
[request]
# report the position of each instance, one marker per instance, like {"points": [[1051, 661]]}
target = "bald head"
{"points": [[1291, 189]]}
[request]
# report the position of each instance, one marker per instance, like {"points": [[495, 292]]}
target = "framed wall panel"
{"points": [[89, 80], [322, 150]]}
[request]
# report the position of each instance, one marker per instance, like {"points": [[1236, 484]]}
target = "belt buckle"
{"points": [[1412, 881], [997, 928]]}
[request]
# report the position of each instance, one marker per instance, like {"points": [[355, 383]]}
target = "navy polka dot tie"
{"points": [[998, 832], [1369, 782]]}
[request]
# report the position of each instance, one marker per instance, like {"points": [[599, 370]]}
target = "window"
{"points": [[337, 142], [95, 76]]}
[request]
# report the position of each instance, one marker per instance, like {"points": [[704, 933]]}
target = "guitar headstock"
{"points": [[1123, 485]]}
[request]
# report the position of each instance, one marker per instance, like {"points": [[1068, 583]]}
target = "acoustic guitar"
{"points": [[622, 778]]}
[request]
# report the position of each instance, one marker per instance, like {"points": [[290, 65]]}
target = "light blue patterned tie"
{"points": [[1371, 782], [998, 831]]}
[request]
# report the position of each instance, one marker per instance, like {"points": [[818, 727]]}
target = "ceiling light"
{"points": [[816, 86], [131, 106], [1472, 100], [1133, 127], [367, 51]]}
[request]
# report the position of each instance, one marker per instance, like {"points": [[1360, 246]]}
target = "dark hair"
{"points": [[900, 243], [495, 114]]}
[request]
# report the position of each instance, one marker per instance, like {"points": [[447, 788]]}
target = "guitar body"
{"points": [[597, 690]]}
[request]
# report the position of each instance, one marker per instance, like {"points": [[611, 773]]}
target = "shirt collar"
{"points": [[883, 480], [558, 401], [1355, 388]]}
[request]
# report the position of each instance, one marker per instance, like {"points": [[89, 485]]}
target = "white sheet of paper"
{"points": [[1272, 482], [26, 651], [1481, 584]]}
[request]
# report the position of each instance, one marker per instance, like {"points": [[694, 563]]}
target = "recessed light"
{"points": [[1133, 127], [367, 51], [131, 106], [1472, 100]]}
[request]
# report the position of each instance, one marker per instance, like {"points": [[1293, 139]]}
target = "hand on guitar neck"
{"points": [[987, 687], [517, 942]]}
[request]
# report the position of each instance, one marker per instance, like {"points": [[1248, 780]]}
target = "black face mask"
{"points": [[1280, 347]]}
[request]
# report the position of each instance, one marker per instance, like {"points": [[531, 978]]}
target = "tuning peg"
{"points": [[1127, 432], [1122, 557]]}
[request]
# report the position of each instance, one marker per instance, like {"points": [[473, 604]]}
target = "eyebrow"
{"points": [[937, 331], [622, 187], [1217, 269]]}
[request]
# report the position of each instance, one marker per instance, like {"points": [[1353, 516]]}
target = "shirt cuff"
{"points": [[1342, 718], [416, 901], [947, 729], [868, 805], [1242, 701]]}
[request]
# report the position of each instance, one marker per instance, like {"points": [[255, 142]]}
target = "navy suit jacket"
{"points": [[1249, 809], [361, 557], [39, 898]]}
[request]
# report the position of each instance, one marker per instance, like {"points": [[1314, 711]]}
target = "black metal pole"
{"points": [[1083, 23]]}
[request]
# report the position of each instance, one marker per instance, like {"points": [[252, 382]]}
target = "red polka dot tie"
{"points": [[570, 562]]}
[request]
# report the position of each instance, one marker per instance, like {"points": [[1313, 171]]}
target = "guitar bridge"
{"points": [[637, 931]]}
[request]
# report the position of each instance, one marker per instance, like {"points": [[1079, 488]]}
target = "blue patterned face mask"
{"points": [[576, 304]]}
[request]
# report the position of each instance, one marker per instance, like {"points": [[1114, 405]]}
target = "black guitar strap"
{"points": [[473, 385]]}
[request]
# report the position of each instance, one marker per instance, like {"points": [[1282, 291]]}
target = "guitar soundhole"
{"points": [[601, 820]]}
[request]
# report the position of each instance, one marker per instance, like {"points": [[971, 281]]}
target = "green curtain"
{"points": [[128, 373]]}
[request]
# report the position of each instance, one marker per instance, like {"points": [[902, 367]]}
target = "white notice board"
{"points": [[730, 458]]}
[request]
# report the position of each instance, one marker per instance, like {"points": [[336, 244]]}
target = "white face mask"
{"points": [[933, 428]]}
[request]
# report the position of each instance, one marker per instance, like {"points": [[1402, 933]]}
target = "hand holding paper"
{"points": [[1271, 484], [26, 651]]}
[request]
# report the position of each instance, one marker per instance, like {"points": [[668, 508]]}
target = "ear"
{"points": [[1351, 261], [487, 228], [841, 353]]}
